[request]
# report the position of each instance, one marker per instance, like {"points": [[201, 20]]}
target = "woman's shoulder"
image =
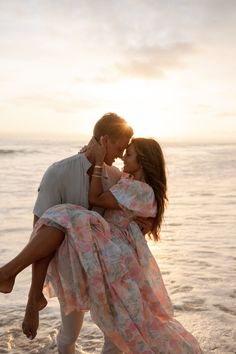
{"points": [[129, 182], [135, 195]]}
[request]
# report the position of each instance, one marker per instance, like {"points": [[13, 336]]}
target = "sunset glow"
{"points": [[173, 76]]}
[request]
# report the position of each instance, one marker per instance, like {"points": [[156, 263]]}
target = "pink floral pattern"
{"points": [[105, 266]]}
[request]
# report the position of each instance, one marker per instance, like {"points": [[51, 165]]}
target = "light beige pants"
{"points": [[69, 332]]}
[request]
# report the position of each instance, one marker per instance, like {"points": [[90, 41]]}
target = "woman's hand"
{"points": [[89, 147], [100, 151], [95, 151]]}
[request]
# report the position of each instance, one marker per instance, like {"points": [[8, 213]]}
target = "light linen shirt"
{"points": [[67, 181]]}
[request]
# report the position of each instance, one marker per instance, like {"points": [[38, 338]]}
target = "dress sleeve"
{"points": [[135, 196]]}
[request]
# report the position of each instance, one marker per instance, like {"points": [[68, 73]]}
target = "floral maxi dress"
{"points": [[104, 265]]}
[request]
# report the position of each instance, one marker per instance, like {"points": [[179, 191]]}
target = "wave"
{"points": [[15, 151]]}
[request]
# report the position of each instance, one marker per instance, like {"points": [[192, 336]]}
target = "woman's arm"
{"points": [[97, 196]]}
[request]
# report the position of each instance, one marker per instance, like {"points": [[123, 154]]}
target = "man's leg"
{"points": [[109, 347], [70, 328]]}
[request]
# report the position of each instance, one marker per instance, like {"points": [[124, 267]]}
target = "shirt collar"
{"points": [[87, 164]]}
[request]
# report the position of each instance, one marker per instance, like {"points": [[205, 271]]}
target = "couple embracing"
{"points": [[88, 240]]}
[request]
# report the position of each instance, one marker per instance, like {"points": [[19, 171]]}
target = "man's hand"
{"points": [[145, 224]]}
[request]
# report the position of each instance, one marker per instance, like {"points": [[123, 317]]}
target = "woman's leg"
{"points": [[43, 244], [36, 299], [39, 271], [38, 251]]}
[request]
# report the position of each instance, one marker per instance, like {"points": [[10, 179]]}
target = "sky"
{"points": [[167, 67]]}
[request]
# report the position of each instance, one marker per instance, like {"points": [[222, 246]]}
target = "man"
{"points": [[67, 181]]}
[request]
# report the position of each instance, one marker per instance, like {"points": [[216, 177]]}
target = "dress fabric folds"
{"points": [[105, 265]]}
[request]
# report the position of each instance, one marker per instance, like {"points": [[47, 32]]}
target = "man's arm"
{"points": [[145, 224]]}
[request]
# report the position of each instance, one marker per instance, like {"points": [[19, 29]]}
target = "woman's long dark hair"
{"points": [[151, 158]]}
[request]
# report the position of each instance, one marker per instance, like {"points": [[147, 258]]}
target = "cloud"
{"points": [[153, 62], [56, 55], [57, 104], [66, 30]]}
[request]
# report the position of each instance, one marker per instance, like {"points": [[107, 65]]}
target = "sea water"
{"points": [[196, 254]]}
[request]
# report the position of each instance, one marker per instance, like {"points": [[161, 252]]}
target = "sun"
{"points": [[146, 106], [152, 109], [145, 126]]}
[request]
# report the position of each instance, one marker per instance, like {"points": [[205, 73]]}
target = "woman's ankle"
{"points": [[7, 281], [37, 299]]}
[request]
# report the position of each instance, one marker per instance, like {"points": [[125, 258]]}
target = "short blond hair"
{"points": [[112, 125]]}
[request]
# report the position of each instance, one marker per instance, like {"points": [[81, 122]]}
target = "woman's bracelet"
{"points": [[98, 166]]}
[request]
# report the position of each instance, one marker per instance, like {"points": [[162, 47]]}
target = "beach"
{"points": [[196, 253]]}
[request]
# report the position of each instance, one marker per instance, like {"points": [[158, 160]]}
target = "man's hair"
{"points": [[112, 125]]}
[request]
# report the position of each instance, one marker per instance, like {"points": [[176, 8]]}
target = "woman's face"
{"points": [[115, 149], [131, 165]]}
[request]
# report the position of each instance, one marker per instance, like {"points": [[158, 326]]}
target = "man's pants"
{"points": [[69, 332]]}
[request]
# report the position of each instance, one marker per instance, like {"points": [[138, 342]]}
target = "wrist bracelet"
{"points": [[98, 166]]}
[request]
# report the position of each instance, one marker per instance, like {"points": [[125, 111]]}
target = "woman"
{"points": [[109, 268]]}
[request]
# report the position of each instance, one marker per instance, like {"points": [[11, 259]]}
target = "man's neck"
{"points": [[90, 157]]}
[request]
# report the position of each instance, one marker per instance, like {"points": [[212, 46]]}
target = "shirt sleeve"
{"points": [[48, 192], [135, 196]]}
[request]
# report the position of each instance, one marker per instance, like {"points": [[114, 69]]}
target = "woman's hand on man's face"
{"points": [[95, 150], [90, 146], [100, 150]]}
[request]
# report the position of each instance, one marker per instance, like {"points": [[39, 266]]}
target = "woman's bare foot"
{"points": [[42, 302], [31, 320], [6, 283]]}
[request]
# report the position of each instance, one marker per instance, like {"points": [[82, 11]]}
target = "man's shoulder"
{"points": [[74, 160], [67, 165]]}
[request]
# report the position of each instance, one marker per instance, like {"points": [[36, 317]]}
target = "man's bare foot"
{"points": [[31, 320], [6, 283]]}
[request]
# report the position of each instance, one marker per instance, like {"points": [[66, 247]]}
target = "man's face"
{"points": [[115, 149]]}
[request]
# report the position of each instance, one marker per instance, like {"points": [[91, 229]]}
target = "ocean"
{"points": [[196, 253]]}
